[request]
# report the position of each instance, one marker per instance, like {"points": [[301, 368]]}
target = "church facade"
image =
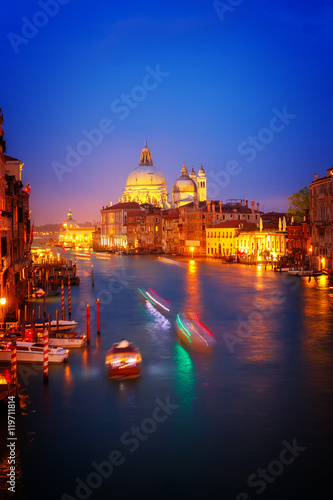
{"points": [[146, 185]]}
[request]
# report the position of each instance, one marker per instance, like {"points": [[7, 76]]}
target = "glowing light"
{"points": [[183, 328], [2, 301], [203, 326], [157, 302], [160, 296]]}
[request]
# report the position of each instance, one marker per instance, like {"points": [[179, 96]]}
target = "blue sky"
{"points": [[225, 76]]}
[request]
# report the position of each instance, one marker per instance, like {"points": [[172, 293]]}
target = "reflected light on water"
{"points": [[185, 380], [193, 297]]}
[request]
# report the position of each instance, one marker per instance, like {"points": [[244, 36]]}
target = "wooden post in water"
{"points": [[25, 319], [57, 319], [92, 275], [46, 355], [13, 363], [62, 301], [69, 299], [29, 287], [39, 312], [88, 324], [33, 326], [44, 311], [19, 320], [98, 314]]}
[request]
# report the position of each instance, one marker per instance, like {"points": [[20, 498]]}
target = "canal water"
{"points": [[252, 420]]}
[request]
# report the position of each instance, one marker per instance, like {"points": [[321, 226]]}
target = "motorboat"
{"points": [[123, 360], [33, 352], [282, 269], [59, 339], [71, 339], [193, 333], [156, 300], [63, 325]]}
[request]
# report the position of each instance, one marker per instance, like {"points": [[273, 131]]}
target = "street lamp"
{"points": [[192, 250]]}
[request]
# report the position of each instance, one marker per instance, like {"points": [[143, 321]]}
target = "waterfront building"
{"points": [[114, 225], [247, 239], [299, 241], [170, 230], [193, 220], [16, 234], [321, 219], [72, 235], [150, 230]]}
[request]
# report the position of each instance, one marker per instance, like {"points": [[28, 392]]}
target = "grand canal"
{"points": [[262, 400]]}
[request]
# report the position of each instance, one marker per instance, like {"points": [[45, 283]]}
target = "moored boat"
{"points": [[33, 352], [38, 294], [123, 360], [311, 272], [63, 325], [156, 300], [193, 333], [59, 339]]}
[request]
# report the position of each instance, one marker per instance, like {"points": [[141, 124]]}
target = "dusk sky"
{"points": [[247, 88]]}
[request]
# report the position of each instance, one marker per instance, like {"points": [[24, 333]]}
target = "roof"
{"points": [[10, 158], [236, 224], [123, 206]]}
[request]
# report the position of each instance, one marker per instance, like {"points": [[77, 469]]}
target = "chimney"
{"points": [[258, 207], [316, 177], [209, 205], [247, 203], [213, 206], [252, 206], [220, 203]]}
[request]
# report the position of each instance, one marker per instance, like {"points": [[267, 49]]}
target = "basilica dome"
{"points": [[185, 188], [146, 184]]}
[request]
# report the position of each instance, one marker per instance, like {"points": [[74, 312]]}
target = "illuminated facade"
{"points": [[15, 232], [189, 187], [321, 213], [71, 235], [146, 184], [246, 238]]}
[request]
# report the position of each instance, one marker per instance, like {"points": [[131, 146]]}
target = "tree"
{"points": [[299, 205]]}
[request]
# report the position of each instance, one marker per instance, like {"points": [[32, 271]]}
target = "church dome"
{"points": [[145, 175], [184, 184]]}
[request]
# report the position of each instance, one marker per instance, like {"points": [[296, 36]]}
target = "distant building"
{"points": [[189, 187], [321, 219], [72, 235]]}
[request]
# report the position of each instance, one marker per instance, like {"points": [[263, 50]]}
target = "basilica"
{"points": [[146, 184]]}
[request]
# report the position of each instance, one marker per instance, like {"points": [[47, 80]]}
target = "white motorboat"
{"points": [[67, 339], [156, 300], [64, 325], [33, 352], [193, 333]]}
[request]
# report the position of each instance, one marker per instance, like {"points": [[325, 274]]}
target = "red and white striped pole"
{"points": [[46, 355], [98, 313], [69, 299], [88, 324], [13, 363], [62, 301]]}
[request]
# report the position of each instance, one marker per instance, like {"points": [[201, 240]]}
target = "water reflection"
{"points": [[192, 288], [185, 380]]}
